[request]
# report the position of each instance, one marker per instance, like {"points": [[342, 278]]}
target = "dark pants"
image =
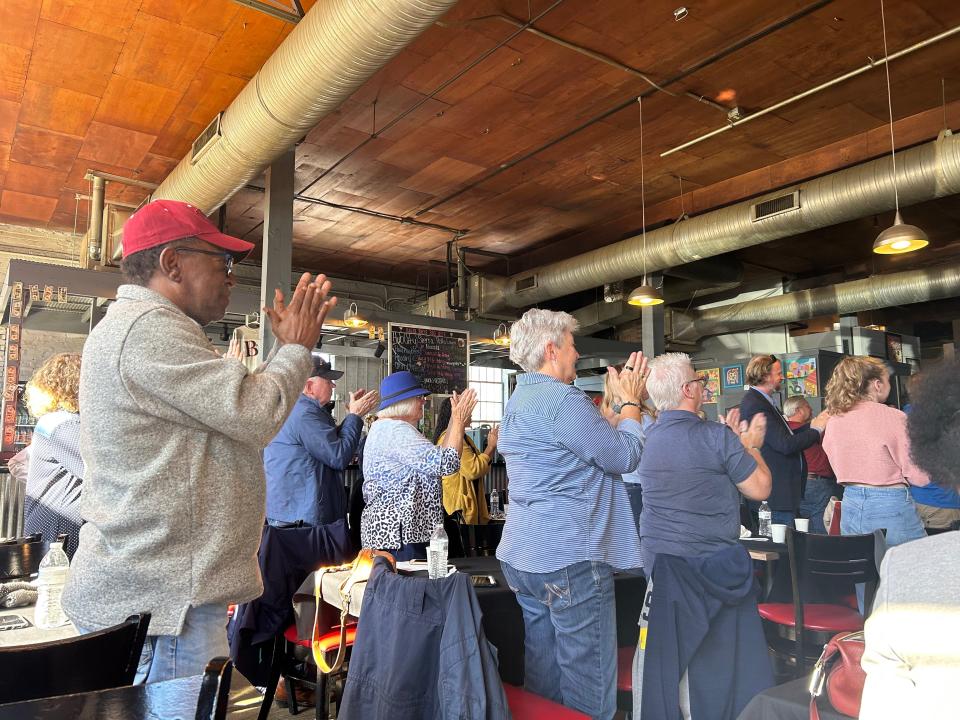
{"points": [[409, 551], [815, 498]]}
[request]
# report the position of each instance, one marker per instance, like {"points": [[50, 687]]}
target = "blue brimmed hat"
{"points": [[399, 386]]}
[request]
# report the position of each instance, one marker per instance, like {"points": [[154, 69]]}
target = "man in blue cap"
{"points": [[305, 461]]}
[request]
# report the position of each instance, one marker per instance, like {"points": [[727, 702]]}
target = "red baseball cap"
{"points": [[164, 221]]}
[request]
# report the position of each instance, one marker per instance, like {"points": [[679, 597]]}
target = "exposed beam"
{"points": [[271, 10]]}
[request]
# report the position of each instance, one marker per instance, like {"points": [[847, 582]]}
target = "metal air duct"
{"points": [[924, 172], [872, 293], [335, 48]]}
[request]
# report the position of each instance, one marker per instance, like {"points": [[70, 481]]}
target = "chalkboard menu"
{"points": [[437, 356]]}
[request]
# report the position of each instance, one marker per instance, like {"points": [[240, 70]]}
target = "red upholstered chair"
{"points": [[291, 652], [527, 706], [797, 631]]}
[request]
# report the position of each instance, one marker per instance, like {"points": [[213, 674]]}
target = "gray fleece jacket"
{"points": [[174, 490]]}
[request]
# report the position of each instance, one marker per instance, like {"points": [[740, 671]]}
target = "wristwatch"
{"points": [[618, 407]]}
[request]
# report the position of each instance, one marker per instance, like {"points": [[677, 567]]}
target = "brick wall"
{"points": [[25, 243]]}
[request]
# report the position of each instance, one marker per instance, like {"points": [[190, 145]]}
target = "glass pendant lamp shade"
{"points": [[353, 318]]}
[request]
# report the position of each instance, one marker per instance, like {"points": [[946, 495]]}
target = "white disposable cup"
{"points": [[802, 524], [779, 532]]}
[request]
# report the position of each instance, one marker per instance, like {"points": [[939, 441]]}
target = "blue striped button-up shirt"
{"points": [[567, 501]]}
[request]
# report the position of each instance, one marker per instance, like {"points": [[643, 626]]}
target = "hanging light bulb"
{"points": [[352, 317], [900, 237], [501, 336], [645, 295]]}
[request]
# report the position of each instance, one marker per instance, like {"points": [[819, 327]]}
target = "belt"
{"points": [[815, 476]]}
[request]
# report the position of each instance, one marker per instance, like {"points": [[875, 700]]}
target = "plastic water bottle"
{"points": [[765, 515], [439, 545], [494, 503], [50, 583]]}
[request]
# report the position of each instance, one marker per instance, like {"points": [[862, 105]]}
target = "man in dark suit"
{"points": [[782, 447]]}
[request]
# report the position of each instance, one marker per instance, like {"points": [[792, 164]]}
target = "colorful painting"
{"points": [[711, 390], [801, 377], [733, 376], [894, 348]]}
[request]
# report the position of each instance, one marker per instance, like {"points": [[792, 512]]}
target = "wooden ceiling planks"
{"points": [[116, 146], [65, 56], [14, 205], [57, 108], [18, 22], [43, 148]]}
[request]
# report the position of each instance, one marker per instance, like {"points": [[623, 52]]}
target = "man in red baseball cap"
{"points": [[171, 435]]}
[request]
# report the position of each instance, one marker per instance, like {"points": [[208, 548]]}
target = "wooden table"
{"points": [[169, 700], [768, 552], [32, 635]]}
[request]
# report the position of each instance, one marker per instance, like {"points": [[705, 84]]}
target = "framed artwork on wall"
{"points": [[732, 376]]}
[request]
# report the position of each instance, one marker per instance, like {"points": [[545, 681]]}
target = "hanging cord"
{"points": [[886, 67], [643, 204]]}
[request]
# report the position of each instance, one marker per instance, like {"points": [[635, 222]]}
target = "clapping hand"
{"points": [[752, 435], [301, 321], [362, 402], [630, 383], [461, 406]]}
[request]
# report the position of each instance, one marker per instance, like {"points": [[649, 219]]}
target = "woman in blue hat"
{"points": [[403, 470]]}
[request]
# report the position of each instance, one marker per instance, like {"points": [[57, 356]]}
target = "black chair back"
{"points": [[215, 690], [838, 561], [20, 558], [481, 540], [96, 661]]}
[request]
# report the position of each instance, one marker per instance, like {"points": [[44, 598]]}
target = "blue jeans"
{"points": [[866, 509], [782, 517], [815, 498], [570, 649], [165, 657]]}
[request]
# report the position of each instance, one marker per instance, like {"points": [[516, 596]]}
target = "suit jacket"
{"points": [[782, 451]]}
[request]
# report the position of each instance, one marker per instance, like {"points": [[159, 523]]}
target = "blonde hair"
{"points": [[850, 380], [610, 398], [55, 386], [759, 367]]}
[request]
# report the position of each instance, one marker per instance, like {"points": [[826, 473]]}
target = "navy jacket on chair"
{"points": [[421, 653], [704, 621], [287, 556], [782, 451]]}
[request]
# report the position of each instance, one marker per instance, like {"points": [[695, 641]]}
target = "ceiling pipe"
{"points": [[872, 293], [814, 90], [925, 172], [95, 228], [333, 50]]}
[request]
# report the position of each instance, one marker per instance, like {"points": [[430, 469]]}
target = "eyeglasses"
{"points": [[701, 380], [227, 257]]}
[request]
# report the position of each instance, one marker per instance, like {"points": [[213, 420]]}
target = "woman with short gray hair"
{"points": [[570, 523], [668, 373], [403, 471]]}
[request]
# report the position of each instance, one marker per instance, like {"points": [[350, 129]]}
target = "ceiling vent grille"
{"points": [[776, 206], [211, 133], [526, 283]]}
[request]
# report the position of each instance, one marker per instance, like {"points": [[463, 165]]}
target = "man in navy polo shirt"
{"points": [[693, 471], [305, 462]]}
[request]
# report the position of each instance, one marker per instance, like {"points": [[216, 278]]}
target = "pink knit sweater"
{"points": [[869, 444]]}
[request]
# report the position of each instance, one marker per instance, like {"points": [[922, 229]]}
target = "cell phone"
{"points": [[483, 580], [13, 622]]}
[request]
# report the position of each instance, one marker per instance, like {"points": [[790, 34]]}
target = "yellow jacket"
{"points": [[463, 490]]}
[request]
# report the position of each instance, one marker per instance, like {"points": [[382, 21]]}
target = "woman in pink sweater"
{"points": [[869, 450]]}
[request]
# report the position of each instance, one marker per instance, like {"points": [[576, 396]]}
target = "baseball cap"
{"points": [[163, 221], [322, 369]]}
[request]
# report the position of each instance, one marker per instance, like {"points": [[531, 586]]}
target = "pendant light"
{"points": [[900, 237], [501, 336], [645, 295], [352, 317]]}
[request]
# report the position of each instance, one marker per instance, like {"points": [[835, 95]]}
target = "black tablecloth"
{"points": [[169, 700], [789, 701], [502, 617]]}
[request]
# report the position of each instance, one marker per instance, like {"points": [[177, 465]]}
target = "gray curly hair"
{"points": [[530, 334]]}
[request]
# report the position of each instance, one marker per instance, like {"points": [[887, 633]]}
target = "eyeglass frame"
{"points": [[228, 259], [702, 379]]}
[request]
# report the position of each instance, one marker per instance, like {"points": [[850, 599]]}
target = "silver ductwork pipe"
{"points": [[333, 50], [872, 293], [95, 226], [924, 172]]}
